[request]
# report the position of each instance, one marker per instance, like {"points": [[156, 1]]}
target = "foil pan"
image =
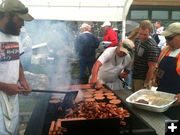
{"points": [[155, 101]]}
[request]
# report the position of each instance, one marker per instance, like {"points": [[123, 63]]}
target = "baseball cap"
{"points": [[15, 6], [127, 46], [84, 25], [173, 28], [106, 23]]}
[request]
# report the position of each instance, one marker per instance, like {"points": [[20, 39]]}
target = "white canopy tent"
{"points": [[80, 10]]}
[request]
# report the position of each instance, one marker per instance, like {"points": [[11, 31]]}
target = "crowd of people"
{"points": [[142, 60], [149, 60], [152, 60]]}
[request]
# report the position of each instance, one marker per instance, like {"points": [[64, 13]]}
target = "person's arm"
{"points": [[94, 73], [149, 74], [152, 54], [22, 79], [97, 42], [113, 39], [154, 81], [77, 45]]}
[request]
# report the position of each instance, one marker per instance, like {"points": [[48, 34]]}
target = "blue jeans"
{"points": [[84, 63], [128, 80]]}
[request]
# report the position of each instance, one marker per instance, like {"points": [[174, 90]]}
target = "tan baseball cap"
{"points": [[127, 46], [173, 28], [15, 6]]}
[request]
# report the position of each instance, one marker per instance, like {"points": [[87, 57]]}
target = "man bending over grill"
{"points": [[12, 16], [114, 63]]}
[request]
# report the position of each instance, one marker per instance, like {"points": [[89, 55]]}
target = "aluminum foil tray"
{"points": [[155, 101], [105, 43]]}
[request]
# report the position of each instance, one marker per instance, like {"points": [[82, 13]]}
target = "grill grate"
{"points": [[49, 112]]}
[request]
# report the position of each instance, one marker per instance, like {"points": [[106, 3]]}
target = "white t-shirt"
{"points": [[174, 53], [112, 65], [162, 42], [9, 58]]}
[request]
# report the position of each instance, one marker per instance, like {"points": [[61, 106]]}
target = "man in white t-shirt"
{"points": [[160, 40], [12, 16], [114, 62]]}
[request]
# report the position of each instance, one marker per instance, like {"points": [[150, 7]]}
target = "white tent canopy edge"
{"points": [[80, 10]]}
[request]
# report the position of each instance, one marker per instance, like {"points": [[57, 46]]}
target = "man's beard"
{"points": [[11, 28]]}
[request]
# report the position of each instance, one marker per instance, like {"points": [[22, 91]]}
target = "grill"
{"points": [[44, 113]]}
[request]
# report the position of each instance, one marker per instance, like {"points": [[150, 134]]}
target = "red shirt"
{"points": [[111, 35]]}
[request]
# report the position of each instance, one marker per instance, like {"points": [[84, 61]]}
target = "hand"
{"points": [[154, 83], [97, 84], [178, 100], [25, 85], [12, 89], [26, 89], [124, 75], [92, 82]]}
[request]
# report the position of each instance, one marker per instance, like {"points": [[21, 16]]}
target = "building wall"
{"points": [[157, 2], [166, 10]]}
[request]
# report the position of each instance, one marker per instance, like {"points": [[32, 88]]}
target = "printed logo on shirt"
{"points": [[9, 51]]}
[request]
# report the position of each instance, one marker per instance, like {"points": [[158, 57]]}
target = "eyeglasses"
{"points": [[169, 38]]}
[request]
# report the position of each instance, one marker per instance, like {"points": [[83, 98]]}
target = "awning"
{"points": [[80, 10]]}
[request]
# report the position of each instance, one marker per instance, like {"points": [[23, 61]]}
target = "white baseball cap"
{"points": [[106, 23]]}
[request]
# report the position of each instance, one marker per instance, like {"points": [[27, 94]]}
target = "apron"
{"points": [[9, 123], [111, 79], [170, 81], [10, 49]]}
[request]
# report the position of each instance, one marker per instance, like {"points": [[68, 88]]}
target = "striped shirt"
{"points": [[144, 52]]}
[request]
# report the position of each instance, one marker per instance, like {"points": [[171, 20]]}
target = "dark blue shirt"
{"points": [[86, 44]]}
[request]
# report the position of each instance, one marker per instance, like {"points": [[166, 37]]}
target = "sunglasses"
{"points": [[169, 38]]}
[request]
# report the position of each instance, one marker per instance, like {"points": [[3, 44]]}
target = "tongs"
{"points": [[68, 99], [124, 83], [51, 91]]}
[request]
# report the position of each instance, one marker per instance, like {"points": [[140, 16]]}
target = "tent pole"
{"points": [[124, 28]]}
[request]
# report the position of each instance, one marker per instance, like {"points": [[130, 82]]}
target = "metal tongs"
{"points": [[68, 99], [51, 91], [124, 83]]}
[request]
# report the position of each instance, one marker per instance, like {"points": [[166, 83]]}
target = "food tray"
{"points": [[105, 43], [157, 101]]}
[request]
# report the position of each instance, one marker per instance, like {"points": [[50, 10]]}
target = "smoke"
{"points": [[59, 36]]}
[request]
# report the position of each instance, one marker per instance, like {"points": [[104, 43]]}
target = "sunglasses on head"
{"points": [[169, 38]]}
